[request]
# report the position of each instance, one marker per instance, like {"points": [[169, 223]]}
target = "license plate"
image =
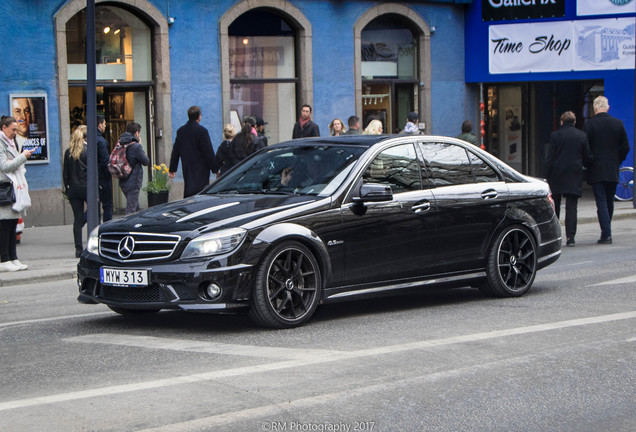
{"points": [[124, 277]]}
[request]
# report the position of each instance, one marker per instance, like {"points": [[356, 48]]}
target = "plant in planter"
{"points": [[158, 187]]}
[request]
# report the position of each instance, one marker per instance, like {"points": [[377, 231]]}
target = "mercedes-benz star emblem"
{"points": [[126, 247]]}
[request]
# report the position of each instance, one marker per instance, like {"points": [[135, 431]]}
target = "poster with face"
{"points": [[30, 112]]}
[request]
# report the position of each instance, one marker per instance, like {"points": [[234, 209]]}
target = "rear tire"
{"points": [[287, 287], [512, 263]]}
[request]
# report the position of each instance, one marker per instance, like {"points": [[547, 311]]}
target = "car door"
{"points": [[471, 202], [390, 240]]}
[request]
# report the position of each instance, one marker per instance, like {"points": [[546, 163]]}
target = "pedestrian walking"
{"points": [[193, 146], [137, 158], [336, 127], [74, 174], [244, 144], [568, 153], [223, 156], [354, 125], [12, 177], [304, 127], [412, 125], [467, 133], [104, 177], [373, 128], [609, 145]]}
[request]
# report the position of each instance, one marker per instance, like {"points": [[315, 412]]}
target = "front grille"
{"points": [[150, 293], [134, 247]]}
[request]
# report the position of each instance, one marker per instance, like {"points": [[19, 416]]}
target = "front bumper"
{"points": [[172, 285]]}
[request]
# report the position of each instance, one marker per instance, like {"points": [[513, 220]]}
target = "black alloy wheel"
{"points": [[512, 263], [287, 287]]}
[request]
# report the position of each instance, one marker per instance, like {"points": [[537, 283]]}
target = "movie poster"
{"points": [[30, 111]]}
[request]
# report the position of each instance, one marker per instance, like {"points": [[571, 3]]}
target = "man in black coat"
{"points": [[304, 127], [194, 147], [609, 145], [105, 179], [568, 152]]}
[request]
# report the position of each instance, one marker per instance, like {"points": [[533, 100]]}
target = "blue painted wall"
{"points": [[30, 65]]}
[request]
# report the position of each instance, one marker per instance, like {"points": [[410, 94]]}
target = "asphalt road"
{"points": [[561, 358]]}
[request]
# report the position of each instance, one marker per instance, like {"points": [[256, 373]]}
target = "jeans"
{"points": [[604, 195], [132, 200], [571, 212], [79, 219], [106, 198], [7, 240]]}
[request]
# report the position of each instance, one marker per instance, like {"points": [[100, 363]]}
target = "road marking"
{"points": [[151, 342], [41, 320], [309, 360], [306, 361], [625, 280]]}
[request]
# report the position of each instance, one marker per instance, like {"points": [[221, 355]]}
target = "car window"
{"points": [[397, 167], [482, 172], [448, 164], [307, 170]]}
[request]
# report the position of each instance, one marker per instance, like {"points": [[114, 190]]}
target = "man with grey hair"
{"points": [[609, 146]]}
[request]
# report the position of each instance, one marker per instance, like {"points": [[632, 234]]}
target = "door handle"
{"points": [[489, 194], [424, 206]]}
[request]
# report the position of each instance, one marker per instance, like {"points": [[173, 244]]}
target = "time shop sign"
{"points": [[497, 10], [562, 46]]}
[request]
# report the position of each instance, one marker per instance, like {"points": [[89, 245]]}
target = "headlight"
{"points": [[215, 243], [92, 245]]}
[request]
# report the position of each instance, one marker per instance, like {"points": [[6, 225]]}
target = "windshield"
{"points": [[302, 170]]}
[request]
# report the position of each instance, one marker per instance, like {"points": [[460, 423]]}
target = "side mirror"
{"points": [[373, 192]]}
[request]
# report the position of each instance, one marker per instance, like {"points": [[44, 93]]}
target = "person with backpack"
{"points": [[136, 157], [194, 147], [74, 176]]}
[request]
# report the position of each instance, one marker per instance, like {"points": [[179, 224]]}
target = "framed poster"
{"points": [[30, 111]]}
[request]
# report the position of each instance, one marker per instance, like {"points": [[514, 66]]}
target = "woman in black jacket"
{"points": [[74, 175]]}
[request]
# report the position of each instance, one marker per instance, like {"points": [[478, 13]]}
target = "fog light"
{"points": [[213, 291]]}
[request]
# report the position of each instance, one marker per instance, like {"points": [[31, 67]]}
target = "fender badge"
{"points": [[137, 225], [335, 242]]}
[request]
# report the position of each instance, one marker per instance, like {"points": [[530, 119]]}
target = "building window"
{"points": [[122, 43], [389, 60], [263, 74]]}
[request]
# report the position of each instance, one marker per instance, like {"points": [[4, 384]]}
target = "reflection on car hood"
{"points": [[206, 212]]}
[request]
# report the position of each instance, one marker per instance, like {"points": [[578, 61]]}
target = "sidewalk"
{"points": [[50, 254]]}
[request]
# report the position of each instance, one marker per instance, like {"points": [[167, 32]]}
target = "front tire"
{"points": [[287, 288], [512, 263]]}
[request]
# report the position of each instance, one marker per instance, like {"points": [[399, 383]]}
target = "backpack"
{"points": [[118, 164]]}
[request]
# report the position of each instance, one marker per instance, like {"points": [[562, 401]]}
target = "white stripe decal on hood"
{"points": [[206, 211]]}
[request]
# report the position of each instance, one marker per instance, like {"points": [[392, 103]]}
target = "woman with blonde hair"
{"points": [[74, 176], [373, 128], [336, 127], [223, 153]]}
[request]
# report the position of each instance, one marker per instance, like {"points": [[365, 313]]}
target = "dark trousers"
{"points": [[7, 240], [604, 195], [79, 219], [106, 198], [571, 212], [132, 200]]}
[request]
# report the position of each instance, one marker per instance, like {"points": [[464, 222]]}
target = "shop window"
{"points": [[263, 79], [122, 44]]}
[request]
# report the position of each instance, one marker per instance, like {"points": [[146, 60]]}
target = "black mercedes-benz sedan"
{"points": [[317, 220]]}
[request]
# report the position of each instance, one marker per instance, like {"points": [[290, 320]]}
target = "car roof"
{"points": [[357, 140]]}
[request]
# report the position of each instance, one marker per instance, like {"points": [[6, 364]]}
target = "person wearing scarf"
{"points": [[11, 160], [305, 128]]}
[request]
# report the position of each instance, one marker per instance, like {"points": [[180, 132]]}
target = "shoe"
{"points": [[8, 266], [570, 243], [605, 241], [20, 265]]}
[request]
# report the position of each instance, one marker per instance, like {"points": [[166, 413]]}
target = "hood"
{"points": [[127, 138], [207, 212]]}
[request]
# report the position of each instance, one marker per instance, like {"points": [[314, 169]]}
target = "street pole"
{"points": [[92, 216]]}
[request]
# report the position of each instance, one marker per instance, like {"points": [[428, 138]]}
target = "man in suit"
{"points": [[568, 152], [304, 127], [194, 147], [609, 145]]}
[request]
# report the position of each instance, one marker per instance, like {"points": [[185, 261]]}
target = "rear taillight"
{"points": [[551, 201]]}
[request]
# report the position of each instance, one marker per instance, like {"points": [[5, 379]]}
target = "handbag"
{"points": [[7, 194]]}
